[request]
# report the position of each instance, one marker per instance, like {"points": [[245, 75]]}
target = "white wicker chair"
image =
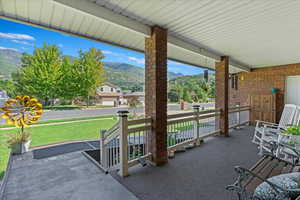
{"points": [[282, 150], [267, 131]]}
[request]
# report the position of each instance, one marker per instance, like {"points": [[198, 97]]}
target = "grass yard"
{"points": [[55, 133], [64, 120]]}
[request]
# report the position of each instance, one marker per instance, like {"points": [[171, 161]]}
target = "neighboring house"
{"points": [[109, 95], [135, 96], [3, 97]]}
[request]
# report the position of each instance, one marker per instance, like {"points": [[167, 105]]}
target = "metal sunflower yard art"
{"points": [[21, 112]]}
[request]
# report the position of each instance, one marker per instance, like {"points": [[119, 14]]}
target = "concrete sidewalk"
{"points": [[63, 177]]}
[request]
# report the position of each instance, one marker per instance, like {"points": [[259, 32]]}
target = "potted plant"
{"points": [[21, 112], [274, 90], [19, 142], [294, 134]]}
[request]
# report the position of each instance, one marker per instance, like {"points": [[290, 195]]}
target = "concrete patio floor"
{"points": [[63, 172], [199, 173], [63, 177]]}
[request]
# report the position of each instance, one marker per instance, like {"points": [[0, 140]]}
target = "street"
{"points": [[77, 113]]}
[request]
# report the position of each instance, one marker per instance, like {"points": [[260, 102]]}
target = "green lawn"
{"points": [[55, 133], [64, 120]]}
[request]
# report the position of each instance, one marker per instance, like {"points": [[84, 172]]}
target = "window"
{"points": [[234, 81], [111, 89], [101, 89]]}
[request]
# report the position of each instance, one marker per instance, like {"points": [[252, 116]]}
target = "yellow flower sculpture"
{"points": [[22, 111]]}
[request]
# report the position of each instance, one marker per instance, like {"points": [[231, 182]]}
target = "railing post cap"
{"points": [[196, 106], [123, 113]]}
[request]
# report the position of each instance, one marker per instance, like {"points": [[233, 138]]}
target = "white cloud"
{"points": [[22, 42], [174, 63], [7, 48], [107, 52], [24, 48], [137, 60], [140, 61], [16, 36]]}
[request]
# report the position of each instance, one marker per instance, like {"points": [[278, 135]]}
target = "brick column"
{"points": [[222, 82], [156, 92]]}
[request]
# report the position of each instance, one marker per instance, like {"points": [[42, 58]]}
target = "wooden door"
{"points": [[263, 107]]}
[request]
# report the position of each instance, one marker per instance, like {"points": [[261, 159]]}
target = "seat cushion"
{"points": [[270, 138], [289, 152], [286, 181], [267, 130]]}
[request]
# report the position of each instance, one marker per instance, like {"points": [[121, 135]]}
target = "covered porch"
{"points": [[199, 173]]}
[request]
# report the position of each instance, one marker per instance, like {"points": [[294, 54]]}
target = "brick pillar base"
{"points": [[156, 92], [222, 76]]}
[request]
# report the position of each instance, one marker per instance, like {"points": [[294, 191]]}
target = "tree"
{"points": [[133, 105], [69, 85], [198, 93], [173, 95], [89, 72], [212, 89], [179, 90], [187, 96], [9, 87], [41, 75]]}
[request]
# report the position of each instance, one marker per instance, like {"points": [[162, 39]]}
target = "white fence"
{"points": [[127, 143]]}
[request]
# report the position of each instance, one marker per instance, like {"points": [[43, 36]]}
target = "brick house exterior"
{"points": [[260, 81]]}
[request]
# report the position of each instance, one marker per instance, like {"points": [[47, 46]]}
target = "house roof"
{"points": [[110, 85], [135, 94], [108, 94], [253, 33]]}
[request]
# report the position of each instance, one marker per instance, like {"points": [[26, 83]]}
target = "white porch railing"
{"points": [[238, 116], [110, 148], [189, 129], [126, 143]]}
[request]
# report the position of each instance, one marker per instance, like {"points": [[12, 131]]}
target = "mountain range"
{"points": [[10, 61], [120, 74]]}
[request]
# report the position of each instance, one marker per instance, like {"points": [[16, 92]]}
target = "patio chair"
{"points": [[270, 178], [265, 131], [283, 149]]}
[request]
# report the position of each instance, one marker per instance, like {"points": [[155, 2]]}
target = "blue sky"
{"points": [[24, 38]]}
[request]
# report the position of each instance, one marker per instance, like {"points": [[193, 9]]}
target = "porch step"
{"points": [[94, 156], [171, 154]]}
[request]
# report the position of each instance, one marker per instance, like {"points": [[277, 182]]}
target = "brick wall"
{"points": [[260, 81]]}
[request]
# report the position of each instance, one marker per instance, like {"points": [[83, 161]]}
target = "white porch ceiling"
{"points": [[254, 33]]}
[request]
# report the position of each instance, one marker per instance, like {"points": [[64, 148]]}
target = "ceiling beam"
{"points": [[102, 13]]}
